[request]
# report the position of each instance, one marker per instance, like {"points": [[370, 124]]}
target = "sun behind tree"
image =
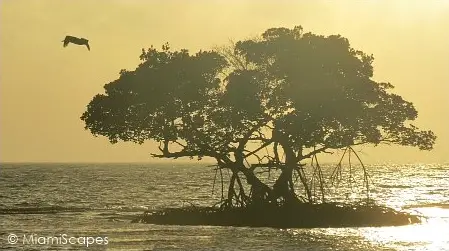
{"points": [[286, 97]]}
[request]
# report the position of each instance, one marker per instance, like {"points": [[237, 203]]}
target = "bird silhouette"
{"points": [[75, 40]]}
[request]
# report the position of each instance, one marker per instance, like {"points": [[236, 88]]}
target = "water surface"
{"points": [[99, 200]]}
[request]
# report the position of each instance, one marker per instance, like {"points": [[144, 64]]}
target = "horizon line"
{"points": [[187, 162]]}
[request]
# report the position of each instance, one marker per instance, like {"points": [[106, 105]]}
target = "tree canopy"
{"points": [[270, 102]]}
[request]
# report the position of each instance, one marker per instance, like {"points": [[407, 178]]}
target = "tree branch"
{"points": [[322, 149]]}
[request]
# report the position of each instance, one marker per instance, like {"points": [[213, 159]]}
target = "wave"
{"points": [[42, 210], [110, 210], [394, 186], [127, 208], [439, 205]]}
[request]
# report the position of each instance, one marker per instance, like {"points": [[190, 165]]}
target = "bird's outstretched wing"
{"points": [[67, 40]]}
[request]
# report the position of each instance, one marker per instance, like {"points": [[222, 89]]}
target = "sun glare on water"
{"points": [[432, 234]]}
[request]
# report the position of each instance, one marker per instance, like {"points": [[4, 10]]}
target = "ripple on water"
{"points": [[114, 193]]}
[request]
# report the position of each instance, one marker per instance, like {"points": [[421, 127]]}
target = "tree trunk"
{"points": [[260, 192], [283, 186]]}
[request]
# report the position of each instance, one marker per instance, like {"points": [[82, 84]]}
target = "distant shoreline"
{"points": [[190, 162]]}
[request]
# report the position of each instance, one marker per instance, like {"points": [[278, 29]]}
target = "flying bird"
{"points": [[75, 40]]}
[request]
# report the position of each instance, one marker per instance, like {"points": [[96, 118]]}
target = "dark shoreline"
{"points": [[298, 216]]}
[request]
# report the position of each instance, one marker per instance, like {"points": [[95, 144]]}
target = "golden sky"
{"points": [[44, 88]]}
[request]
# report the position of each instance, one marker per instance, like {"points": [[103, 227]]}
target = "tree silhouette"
{"points": [[263, 104]]}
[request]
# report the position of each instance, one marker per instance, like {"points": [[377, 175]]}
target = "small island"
{"points": [[263, 106], [304, 215]]}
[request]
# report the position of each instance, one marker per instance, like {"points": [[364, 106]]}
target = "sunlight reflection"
{"points": [[433, 234]]}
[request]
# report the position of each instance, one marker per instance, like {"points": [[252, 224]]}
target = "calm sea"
{"points": [[38, 201]]}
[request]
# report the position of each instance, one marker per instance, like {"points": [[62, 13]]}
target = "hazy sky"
{"points": [[45, 88]]}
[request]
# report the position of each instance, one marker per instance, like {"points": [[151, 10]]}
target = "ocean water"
{"points": [[85, 202]]}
